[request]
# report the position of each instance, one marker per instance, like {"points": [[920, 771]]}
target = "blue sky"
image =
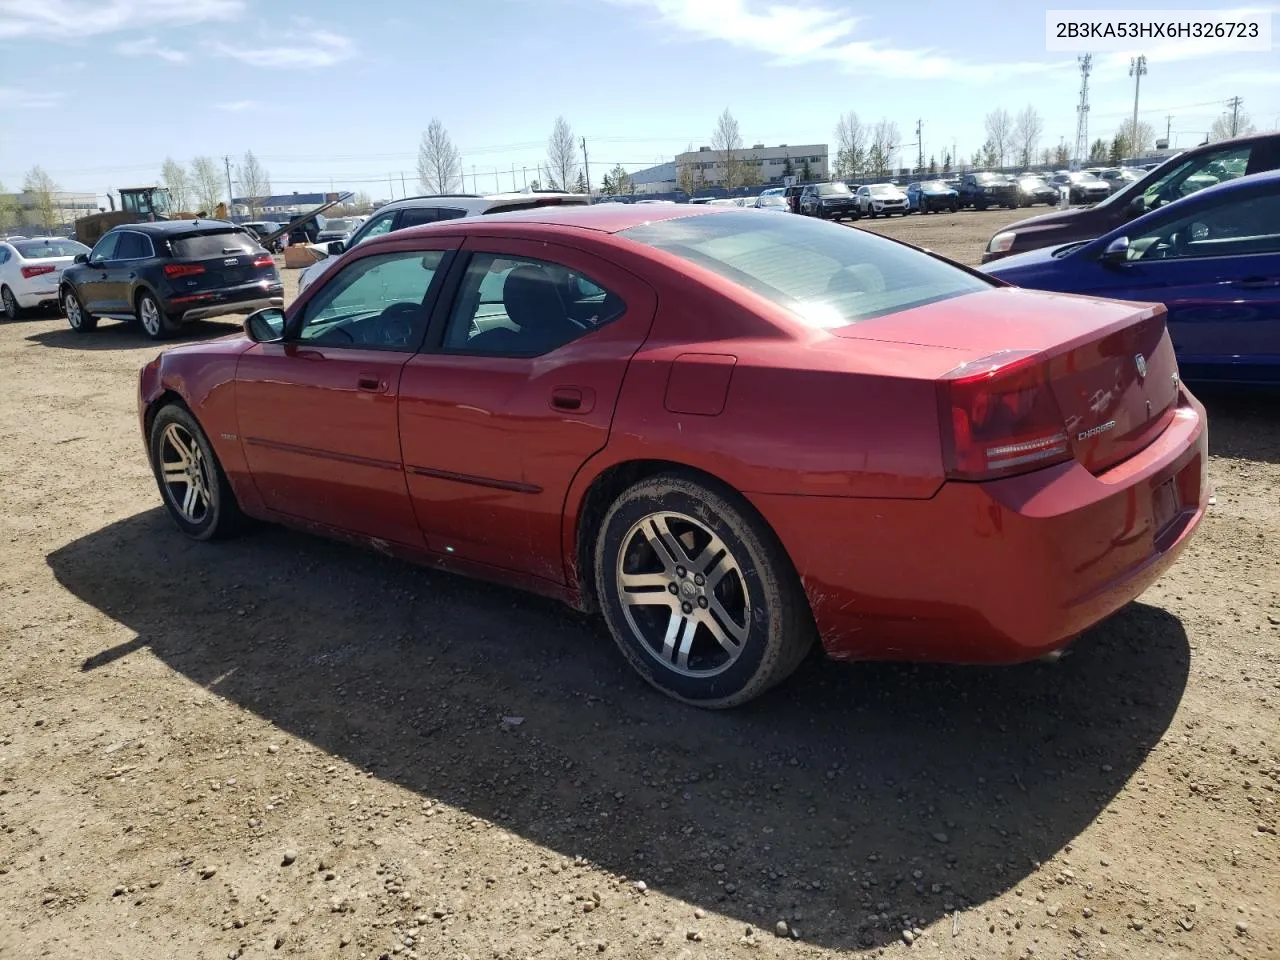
{"points": [[99, 92]]}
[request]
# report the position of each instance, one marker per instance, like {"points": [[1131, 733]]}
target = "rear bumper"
{"points": [[998, 572], [217, 303]]}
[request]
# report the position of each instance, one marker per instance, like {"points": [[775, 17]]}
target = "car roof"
{"points": [[471, 201], [603, 217], [167, 227]]}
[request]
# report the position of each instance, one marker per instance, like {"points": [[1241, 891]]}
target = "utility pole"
{"points": [[1082, 108], [586, 165], [227, 163], [1137, 67], [497, 187], [391, 186], [403, 189], [1168, 126], [919, 147], [524, 175], [513, 178], [1234, 104]]}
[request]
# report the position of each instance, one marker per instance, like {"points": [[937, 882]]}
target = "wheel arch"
{"points": [[583, 524]]}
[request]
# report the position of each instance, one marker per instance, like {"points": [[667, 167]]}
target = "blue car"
{"points": [[931, 196], [1212, 258]]}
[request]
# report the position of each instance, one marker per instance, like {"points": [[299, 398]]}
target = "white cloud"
{"points": [[311, 48], [72, 19], [149, 47], [803, 32], [239, 106], [19, 98]]}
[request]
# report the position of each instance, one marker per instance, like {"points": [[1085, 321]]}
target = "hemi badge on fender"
{"points": [[1095, 431]]}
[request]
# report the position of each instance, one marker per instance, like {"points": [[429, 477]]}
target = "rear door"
{"points": [[516, 393], [133, 250]]}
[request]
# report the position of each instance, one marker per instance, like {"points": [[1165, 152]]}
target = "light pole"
{"points": [[1137, 68]]}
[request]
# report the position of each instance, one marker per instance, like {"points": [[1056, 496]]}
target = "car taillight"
{"points": [[265, 260], [29, 272], [999, 417], [182, 269]]}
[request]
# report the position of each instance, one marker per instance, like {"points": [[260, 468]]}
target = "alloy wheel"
{"points": [[184, 473], [10, 304], [71, 306], [149, 313], [683, 594]]}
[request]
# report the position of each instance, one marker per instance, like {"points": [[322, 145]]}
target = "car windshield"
{"points": [[337, 224], [827, 276], [1081, 177], [772, 200], [934, 186], [35, 249], [215, 243], [882, 190], [989, 177], [1031, 181], [832, 189]]}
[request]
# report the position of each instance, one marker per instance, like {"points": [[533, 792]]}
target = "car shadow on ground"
{"points": [[121, 335], [853, 796], [1243, 422]]}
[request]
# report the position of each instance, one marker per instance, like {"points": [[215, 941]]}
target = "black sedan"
{"points": [[164, 274], [1083, 187], [1033, 190]]}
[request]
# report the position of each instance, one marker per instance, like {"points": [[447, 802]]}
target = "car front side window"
{"points": [[1238, 226], [519, 307], [375, 302], [374, 228], [104, 249]]}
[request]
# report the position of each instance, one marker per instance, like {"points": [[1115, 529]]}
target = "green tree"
{"points": [[990, 154], [606, 186], [1119, 148], [788, 168], [621, 181], [1098, 150], [806, 174], [933, 166], [1061, 155], [946, 162], [582, 182], [8, 209], [41, 194]]}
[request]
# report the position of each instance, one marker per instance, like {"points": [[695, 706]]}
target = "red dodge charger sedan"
{"points": [[729, 432]]}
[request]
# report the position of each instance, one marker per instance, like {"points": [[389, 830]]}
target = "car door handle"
{"points": [[1255, 283], [566, 398], [370, 384]]}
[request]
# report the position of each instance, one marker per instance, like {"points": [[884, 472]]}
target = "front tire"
{"points": [[698, 594], [155, 323], [195, 491], [78, 317]]}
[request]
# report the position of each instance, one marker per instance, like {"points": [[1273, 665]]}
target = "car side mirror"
{"points": [[265, 325], [336, 247], [81, 258], [1136, 207], [1117, 252]]}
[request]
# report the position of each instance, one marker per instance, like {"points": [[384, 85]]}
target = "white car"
{"points": [[878, 199], [416, 211], [773, 200], [30, 271]]}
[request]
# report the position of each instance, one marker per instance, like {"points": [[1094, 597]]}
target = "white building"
{"points": [[707, 166]]}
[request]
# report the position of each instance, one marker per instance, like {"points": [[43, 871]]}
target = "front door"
{"points": [[131, 252], [92, 286], [517, 392], [317, 412], [1216, 267]]}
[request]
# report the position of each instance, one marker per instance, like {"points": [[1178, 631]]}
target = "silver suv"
{"points": [[416, 211]]}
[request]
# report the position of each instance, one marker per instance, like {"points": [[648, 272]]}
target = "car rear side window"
{"points": [[417, 216], [520, 307], [213, 243], [828, 276], [134, 246]]}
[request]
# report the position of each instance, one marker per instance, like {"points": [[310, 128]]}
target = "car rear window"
{"points": [[34, 249], [828, 276], [213, 243]]}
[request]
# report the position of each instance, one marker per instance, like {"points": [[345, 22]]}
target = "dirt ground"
{"points": [[281, 746]]}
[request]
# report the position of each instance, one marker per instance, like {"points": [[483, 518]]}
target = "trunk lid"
{"points": [[216, 259], [1110, 365]]}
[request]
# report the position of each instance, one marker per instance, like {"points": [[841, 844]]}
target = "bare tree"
{"points": [[42, 193], [562, 155], [255, 182], [362, 202], [439, 163], [1027, 129], [851, 145], [999, 127], [1221, 129], [726, 139], [206, 184], [1135, 144], [176, 179], [885, 140], [688, 177]]}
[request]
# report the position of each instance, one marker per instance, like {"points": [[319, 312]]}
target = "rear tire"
{"points": [[80, 319], [194, 489], [10, 304], [713, 612], [155, 323]]}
